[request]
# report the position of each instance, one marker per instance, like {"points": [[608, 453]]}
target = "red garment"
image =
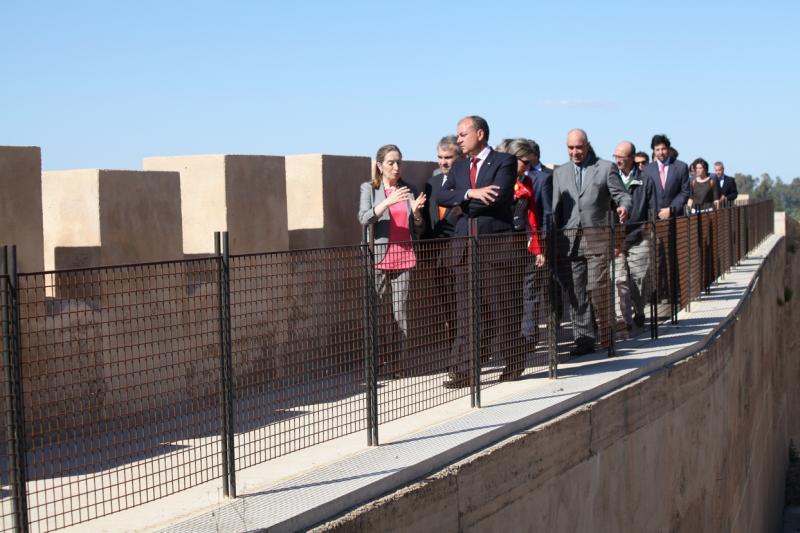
{"points": [[524, 189], [400, 252]]}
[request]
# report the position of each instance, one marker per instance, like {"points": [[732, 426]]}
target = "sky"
{"points": [[105, 84]]}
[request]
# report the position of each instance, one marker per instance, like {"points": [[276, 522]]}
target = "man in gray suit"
{"points": [[583, 190]]}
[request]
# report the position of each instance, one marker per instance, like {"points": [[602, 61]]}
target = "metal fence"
{"points": [[125, 384]]}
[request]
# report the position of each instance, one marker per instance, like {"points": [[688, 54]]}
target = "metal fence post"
{"points": [[475, 312], [226, 364], [689, 260], [222, 364], [654, 276], [673, 256], [15, 421], [370, 337], [229, 364], [729, 211], [552, 287], [612, 317]]}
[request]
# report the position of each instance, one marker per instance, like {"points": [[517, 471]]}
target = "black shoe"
{"points": [[456, 380], [638, 320], [581, 349]]}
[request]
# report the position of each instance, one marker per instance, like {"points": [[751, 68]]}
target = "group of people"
{"points": [[483, 190]]}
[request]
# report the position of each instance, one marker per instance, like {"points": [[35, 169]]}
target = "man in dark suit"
{"points": [[483, 187], [483, 184], [583, 191], [671, 177], [727, 185], [441, 220]]}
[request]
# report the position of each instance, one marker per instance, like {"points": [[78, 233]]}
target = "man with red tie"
{"points": [[671, 177], [482, 183], [483, 186]]}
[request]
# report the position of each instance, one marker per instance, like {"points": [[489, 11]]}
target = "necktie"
{"points": [[662, 171], [473, 171], [578, 177]]}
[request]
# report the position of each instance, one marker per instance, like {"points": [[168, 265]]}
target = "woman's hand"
{"points": [[539, 260], [400, 194], [416, 205]]}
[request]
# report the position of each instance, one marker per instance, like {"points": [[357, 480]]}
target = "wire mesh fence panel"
{"points": [[513, 307], [633, 278], [684, 259], [695, 236], [120, 377], [298, 333], [424, 326], [723, 240], [666, 268], [8, 519]]}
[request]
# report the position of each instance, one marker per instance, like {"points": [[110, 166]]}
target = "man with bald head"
{"points": [[633, 261], [583, 191]]}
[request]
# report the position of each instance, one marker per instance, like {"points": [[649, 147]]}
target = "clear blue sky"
{"points": [[104, 84]]}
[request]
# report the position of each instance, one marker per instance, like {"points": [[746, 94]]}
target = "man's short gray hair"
{"points": [[450, 141]]}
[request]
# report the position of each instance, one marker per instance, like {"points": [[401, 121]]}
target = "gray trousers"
{"points": [[395, 281], [587, 286], [630, 273]]}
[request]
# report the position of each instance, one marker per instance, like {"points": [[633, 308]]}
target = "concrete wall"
{"points": [[242, 194], [700, 446], [21, 204], [110, 216]]}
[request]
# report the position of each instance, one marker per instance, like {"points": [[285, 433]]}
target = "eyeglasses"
{"points": [[524, 161]]}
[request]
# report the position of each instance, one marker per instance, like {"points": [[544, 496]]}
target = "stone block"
{"points": [[322, 199], [133, 216], [242, 194], [21, 204]]}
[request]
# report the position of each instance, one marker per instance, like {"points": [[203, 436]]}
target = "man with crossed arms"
{"points": [[483, 186]]}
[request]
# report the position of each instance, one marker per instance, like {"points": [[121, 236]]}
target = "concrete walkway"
{"points": [[310, 486]]}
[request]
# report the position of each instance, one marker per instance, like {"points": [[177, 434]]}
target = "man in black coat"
{"points": [[440, 220], [727, 185], [483, 187], [671, 177]]}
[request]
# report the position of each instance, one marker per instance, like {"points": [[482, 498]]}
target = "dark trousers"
{"points": [[497, 299]]}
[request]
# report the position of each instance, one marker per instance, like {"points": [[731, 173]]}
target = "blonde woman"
{"points": [[393, 209]]}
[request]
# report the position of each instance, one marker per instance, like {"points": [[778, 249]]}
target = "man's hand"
{"points": [[623, 215], [487, 194], [663, 213], [539, 260]]}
